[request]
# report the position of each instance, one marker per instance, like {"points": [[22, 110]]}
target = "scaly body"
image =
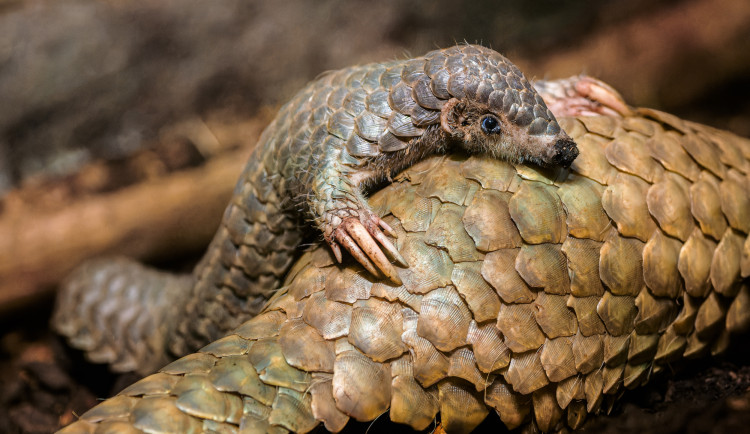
{"points": [[347, 131], [540, 295]]}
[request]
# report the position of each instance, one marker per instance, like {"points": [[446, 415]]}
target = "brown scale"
{"points": [[627, 275], [483, 302]]}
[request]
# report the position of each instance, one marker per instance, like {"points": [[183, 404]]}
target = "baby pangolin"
{"points": [[348, 131], [382, 118], [341, 135]]}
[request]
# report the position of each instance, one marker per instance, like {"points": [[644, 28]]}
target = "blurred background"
{"points": [[107, 101], [82, 79]]}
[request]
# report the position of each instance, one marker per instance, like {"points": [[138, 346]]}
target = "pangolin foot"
{"points": [[358, 234]]}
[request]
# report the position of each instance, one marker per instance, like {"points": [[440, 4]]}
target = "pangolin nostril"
{"points": [[565, 152]]}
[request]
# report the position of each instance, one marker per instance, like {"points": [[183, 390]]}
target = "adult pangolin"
{"points": [[537, 293]]}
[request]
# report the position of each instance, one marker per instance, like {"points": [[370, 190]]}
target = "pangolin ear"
{"points": [[451, 115]]}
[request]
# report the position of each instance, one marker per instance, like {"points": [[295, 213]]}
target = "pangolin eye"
{"points": [[490, 125]]}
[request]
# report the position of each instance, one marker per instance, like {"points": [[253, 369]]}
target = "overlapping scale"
{"points": [[546, 411], [705, 204], [585, 216], [625, 202], [621, 264], [361, 387], [557, 359], [734, 193], [517, 324], [591, 161], [491, 174], [448, 184], [490, 351], [538, 213], [498, 269], [461, 407], [444, 319], [569, 390], [305, 348], [725, 264], [512, 407], [410, 403], [424, 96], [665, 148], [704, 153], [601, 125], [669, 203], [553, 315], [630, 154], [487, 220], [429, 267], [583, 266], [538, 298], [660, 256], [443, 234], [589, 322], [376, 329], [544, 266], [694, 263], [526, 373], [323, 405], [479, 296]]}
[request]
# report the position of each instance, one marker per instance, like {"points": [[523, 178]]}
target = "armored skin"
{"points": [[537, 294]]}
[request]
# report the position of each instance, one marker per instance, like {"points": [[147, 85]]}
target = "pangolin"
{"points": [[536, 293], [344, 133]]}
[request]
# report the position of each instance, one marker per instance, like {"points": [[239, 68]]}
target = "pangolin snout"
{"points": [[565, 152]]}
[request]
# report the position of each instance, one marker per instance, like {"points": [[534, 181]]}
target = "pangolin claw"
{"points": [[602, 93], [359, 240], [386, 243]]}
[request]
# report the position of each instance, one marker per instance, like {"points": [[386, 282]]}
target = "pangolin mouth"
{"points": [[565, 152]]}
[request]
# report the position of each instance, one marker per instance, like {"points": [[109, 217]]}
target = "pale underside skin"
{"points": [[539, 294]]}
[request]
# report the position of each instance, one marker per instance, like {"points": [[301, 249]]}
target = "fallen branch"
{"points": [[177, 213]]}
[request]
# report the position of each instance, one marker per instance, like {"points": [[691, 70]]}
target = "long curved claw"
{"points": [[364, 239], [356, 238], [336, 252], [387, 228], [389, 248], [582, 95], [342, 236]]}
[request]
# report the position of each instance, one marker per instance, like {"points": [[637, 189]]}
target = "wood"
{"points": [[666, 58], [172, 215]]}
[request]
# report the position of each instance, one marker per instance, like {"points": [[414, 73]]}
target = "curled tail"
{"points": [[136, 318], [120, 312]]}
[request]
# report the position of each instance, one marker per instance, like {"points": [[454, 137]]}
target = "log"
{"points": [[666, 58], [168, 216]]}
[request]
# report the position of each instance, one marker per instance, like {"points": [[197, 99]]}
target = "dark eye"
{"points": [[490, 125]]}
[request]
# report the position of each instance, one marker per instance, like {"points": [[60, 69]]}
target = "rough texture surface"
{"points": [[536, 294], [340, 135]]}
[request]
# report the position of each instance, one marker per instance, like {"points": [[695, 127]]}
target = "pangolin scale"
{"points": [[539, 294]]}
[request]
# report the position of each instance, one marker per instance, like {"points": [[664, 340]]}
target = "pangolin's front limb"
{"points": [[536, 294]]}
